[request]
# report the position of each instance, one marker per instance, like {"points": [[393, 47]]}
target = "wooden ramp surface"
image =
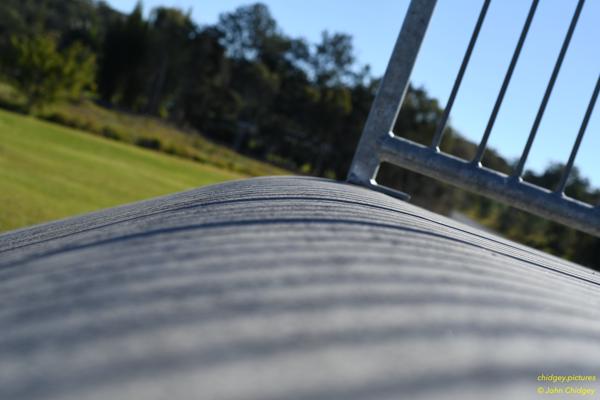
{"points": [[286, 288]]}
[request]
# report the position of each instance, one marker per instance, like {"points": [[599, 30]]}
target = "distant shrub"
{"points": [[200, 158], [111, 133], [89, 126], [10, 105], [177, 150], [58, 118], [62, 119], [149, 143]]}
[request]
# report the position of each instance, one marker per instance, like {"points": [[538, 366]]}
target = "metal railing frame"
{"points": [[378, 143]]}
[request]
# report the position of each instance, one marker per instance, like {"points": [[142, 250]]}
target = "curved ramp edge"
{"points": [[286, 287]]}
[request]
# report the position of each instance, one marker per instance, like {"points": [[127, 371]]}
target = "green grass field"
{"points": [[48, 171], [136, 129]]}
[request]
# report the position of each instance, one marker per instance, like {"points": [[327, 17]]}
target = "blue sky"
{"points": [[375, 25]]}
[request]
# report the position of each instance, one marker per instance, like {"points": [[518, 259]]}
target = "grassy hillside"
{"points": [[49, 171], [154, 133], [143, 131]]}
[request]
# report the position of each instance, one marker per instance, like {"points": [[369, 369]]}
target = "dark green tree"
{"points": [[333, 59], [171, 36], [123, 66], [42, 73], [247, 30]]}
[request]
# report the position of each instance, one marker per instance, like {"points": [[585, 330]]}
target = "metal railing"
{"points": [[378, 144]]}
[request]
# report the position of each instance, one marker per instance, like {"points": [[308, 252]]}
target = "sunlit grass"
{"points": [[49, 171]]}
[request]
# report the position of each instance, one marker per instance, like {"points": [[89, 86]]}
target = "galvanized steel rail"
{"points": [[379, 144]]}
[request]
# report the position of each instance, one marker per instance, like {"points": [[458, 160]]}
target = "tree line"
{"points": [[243, 82]]}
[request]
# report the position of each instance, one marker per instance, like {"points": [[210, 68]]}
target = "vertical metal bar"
{"points": [[582, 128], [391, 92], [538, 118], [507, 78], [437, 138]]}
